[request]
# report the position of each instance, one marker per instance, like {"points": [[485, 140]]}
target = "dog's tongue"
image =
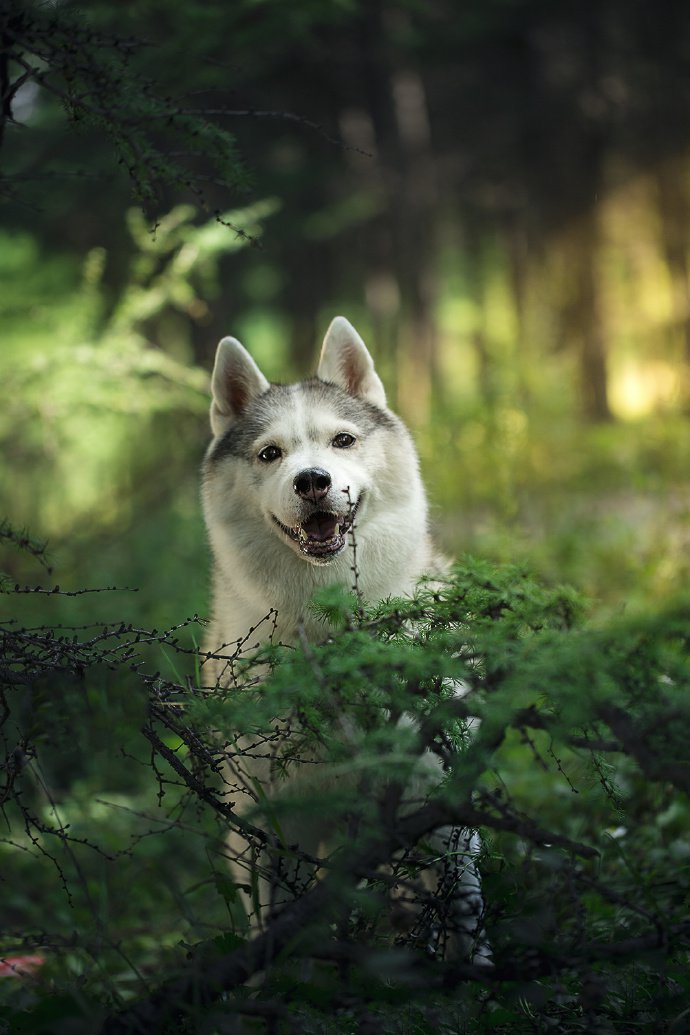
{"points": [[321, 526]]}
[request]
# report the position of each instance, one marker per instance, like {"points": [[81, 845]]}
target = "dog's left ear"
{"points": [[345, 361]]}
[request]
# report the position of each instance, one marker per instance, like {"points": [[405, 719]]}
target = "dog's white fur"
{"points": [[254, 513]]}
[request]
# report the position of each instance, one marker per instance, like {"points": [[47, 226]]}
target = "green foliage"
{"points": [[577, 778], [601, 508], [99, 80], [82, 405]]}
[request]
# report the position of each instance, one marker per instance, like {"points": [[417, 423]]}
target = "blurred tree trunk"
{"points": [[308, 289], [674, 207], [474, 277], [585, 148], [593, 360], [518, 251], [396, 98], [363, 118], [580, 314], [6, 93], [415, 204]]}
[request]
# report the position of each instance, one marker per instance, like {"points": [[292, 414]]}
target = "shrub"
{"points": [[576, 778]]}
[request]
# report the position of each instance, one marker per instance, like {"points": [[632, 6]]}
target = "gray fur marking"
{"points": [[240, 437]]}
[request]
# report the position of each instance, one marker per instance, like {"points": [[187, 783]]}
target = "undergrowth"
{"points": [[562, 743]]}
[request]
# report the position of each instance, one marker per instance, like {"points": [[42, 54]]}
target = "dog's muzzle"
{"points": [[322, 534]]}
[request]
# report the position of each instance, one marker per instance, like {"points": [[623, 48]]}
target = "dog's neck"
{"points": [[247, 594]]}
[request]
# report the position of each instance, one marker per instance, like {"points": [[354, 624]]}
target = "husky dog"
{"points": [[288, 472]]}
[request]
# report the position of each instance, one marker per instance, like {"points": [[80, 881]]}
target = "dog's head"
{"points": [[306, 458]]}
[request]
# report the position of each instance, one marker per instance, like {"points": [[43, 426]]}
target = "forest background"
{"points": [[496, 194], [497, 198]]}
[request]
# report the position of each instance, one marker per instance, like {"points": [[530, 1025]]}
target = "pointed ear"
{"points": [[346, 362], [235, 382]]}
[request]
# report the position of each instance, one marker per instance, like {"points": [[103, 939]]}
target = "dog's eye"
{"points": [[270, 453], [343, 440]]}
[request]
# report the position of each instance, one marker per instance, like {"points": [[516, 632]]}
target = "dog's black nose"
{"points": [[312, 484]]}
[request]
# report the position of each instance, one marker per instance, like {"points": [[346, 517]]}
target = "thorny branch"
{"points": [[97, 77]]}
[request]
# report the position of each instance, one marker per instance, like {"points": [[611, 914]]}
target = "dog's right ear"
{"points": [[235, 382]]}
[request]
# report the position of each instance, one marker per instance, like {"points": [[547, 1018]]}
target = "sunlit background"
{"points": [[496, 194]]}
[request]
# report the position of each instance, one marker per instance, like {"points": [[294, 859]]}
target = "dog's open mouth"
{"points": [[322, 534]]}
